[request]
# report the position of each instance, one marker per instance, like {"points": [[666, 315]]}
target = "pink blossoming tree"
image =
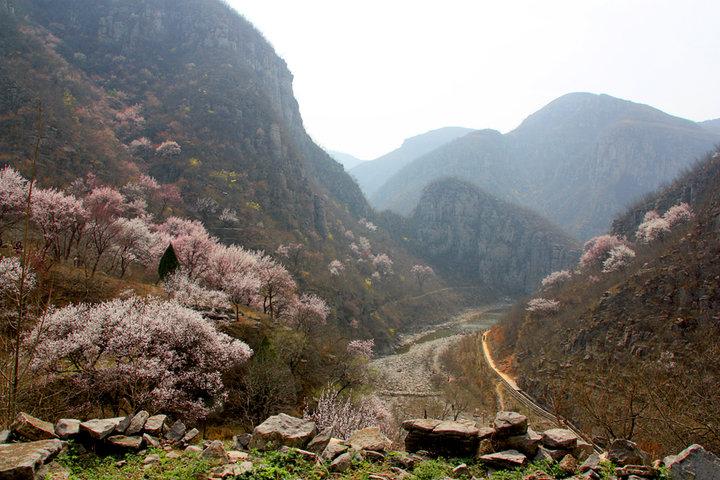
{"points": [[128, 354]]}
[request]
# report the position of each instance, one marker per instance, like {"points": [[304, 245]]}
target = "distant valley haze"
{"points": [[368, 75]]}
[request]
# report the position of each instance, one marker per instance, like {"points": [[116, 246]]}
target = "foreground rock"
{"points": [[99, 429], [283, 430], [20, 461], [694, 463], [370, 438], [441, 438], [507, 459], [137, 423], [624, 452], [67, 428], [559, 438], [510, 423], [31, 428]]}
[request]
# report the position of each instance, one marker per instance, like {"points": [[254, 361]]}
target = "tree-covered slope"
{"points": [[191, 93], [473, 237], [579, 161], [630, 348]]}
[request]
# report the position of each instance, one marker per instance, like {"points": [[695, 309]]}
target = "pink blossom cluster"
{"points": [[13, 197], [141, 352], [168, 148], [336, 267], [618, 258], [656, 227], [367, 224], [543, 306], [343, 415], [422, 273], [12, 284], [361, 348], [383, 264], [556, 278], [596, 250]]}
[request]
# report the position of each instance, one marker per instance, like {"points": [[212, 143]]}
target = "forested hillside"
{"points": [[626, 343], [579, 161], [190, 94], [473, 238]]}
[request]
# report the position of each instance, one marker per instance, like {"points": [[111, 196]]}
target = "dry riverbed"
{"points": [[408, 379]]}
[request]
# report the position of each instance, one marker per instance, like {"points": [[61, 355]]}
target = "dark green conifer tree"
{"points": [[168, 263]]}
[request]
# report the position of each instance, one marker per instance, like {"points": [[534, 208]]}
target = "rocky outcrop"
{"points": [[473, 236], [283, 430], [31, 428]]}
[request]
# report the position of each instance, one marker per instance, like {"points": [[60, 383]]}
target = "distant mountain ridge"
{"points": [[712, 125], [345, 159], [579, 160], [374, 173]]}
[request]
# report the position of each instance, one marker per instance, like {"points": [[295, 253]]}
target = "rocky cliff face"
{"points": [[474, 236], [579, 161]]}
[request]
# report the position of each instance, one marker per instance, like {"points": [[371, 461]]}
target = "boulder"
{"points": [[373, 456], [154, 425], [370, 438], [281, 430], [320, 441], [693, 463], [151, 459], [460, 471], [176, 432], [484, 447], [193, 449], [100, 428], [20, 461], [527, 443], [559, 438], [31, 428], [624, 452], [190, 436], [123, 442], [151, 441], [333, 449], [550, 454], [421, 424], [215, 453], [122, 425], [67, 428], [342, 463], [446, 438], [591, 463], [242, 441], [137, 423], [568, 465], [506, 459], [510, 423], [583, 449]]}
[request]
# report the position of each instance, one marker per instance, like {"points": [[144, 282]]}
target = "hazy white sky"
{"points": [[370, 73]]}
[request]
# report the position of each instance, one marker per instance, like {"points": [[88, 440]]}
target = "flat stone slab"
{"points": [[421, 424], [137, 423], [30, 428], [510, 423], [506, 459], [67, 427], [693, 463], [559, 438], [283, 429], [456, 429], [176, 431], [20, 461], [123, 442], [154, 425], [100, 428], [370, 438]]}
